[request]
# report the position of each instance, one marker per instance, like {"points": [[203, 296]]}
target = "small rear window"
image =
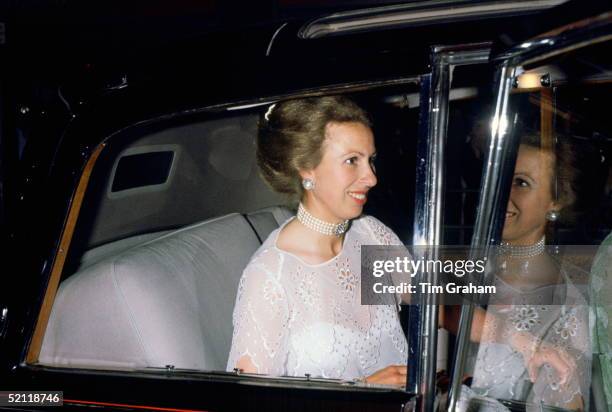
{"points": [[143, 169]]}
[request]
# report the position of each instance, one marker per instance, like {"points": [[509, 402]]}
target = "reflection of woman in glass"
{"points": [[536, 344], [298, 307]]}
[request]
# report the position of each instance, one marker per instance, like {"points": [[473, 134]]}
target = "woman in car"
{"points": [[298, 308], [535, 345]]}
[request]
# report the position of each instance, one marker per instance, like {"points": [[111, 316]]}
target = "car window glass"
{"points": [[468, 125], [536, 348]]}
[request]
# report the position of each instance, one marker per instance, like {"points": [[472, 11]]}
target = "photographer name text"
{"points": [[407, 288]]}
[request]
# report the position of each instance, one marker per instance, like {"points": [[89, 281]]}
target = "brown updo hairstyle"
{"points": [[291, 135], [565, 171]]}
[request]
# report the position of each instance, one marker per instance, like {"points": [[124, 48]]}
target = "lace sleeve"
{"points": [[570, 335], [549, 343], [528, 340], [381, 233], [261, 318]]}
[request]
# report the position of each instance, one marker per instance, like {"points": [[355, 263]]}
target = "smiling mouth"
{"points": [[359, 197]]}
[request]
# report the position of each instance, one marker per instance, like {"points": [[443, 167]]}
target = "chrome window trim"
{"points": [[429, 198], [314, 92], [584, 33], [409, 15]]}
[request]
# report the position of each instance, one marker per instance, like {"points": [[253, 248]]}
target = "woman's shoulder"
{"points": [[376, 232], [575, 280], [267, 252], [267, 259]]}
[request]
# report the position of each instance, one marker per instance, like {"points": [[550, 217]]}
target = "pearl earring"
{"points": [[308, 184], [552, 215]]}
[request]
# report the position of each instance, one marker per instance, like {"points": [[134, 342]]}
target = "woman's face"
{"points": [[530, 197], [345, 174]]}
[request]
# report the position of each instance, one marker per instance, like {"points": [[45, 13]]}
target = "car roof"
{"points": [[53, 35]]}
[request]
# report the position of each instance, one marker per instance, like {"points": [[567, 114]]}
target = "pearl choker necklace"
{"points": [[523, 251], [319, 225]]}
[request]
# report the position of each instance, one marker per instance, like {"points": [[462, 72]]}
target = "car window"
{"points": [[172, 215], [536, 348], [469, 113]]}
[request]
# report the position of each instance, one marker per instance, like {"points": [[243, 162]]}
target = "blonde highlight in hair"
{"points": [[291, 135]]}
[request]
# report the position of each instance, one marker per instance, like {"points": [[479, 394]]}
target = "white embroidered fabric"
{"points": [[561, 322], [292, 318]]}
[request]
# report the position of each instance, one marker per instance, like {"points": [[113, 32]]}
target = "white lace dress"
{"points": [[560, 321], [292, 318]]}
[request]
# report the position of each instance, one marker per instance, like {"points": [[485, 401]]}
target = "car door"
{"points": [[556, 85]]}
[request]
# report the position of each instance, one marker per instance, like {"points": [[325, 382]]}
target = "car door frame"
{"points": [[429, 206]]}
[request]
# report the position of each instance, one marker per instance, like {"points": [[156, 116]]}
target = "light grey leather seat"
{"points": [[168, 301]]}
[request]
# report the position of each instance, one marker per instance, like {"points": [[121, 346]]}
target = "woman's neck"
{"points": [[319, 210], [529, 272], [308, 245], [318, 224], [520, 250]]}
